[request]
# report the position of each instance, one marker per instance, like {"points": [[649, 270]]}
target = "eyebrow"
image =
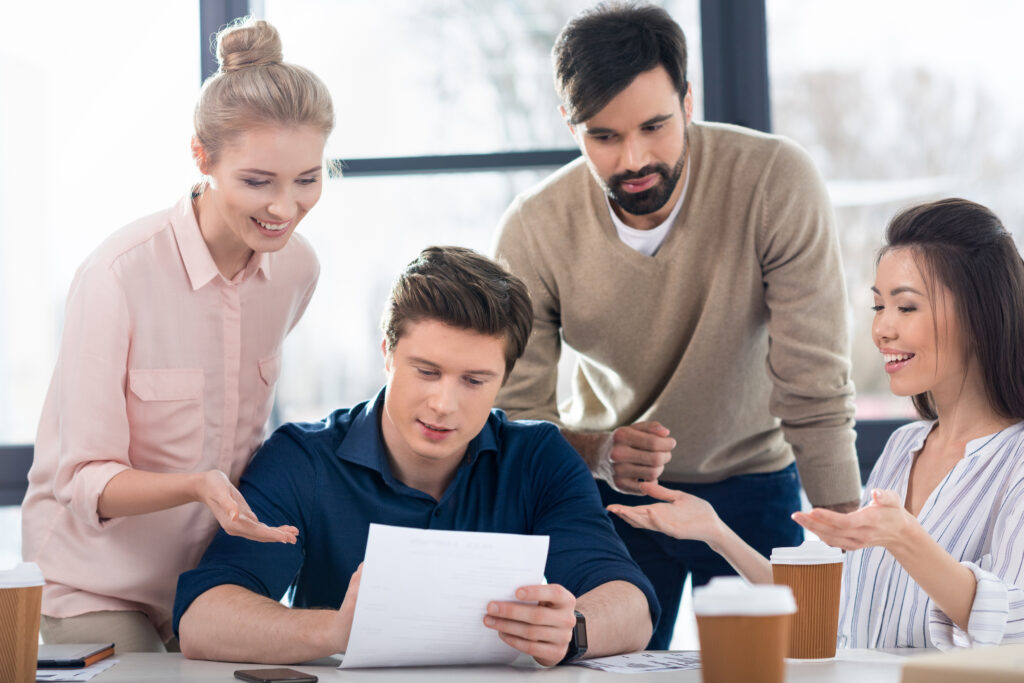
{"points": [[898, 290], [649, 122], [424, 361], [259, 171]]}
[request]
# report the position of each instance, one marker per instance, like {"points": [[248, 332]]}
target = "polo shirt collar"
{"points": [[364, 445], [199, 263]]}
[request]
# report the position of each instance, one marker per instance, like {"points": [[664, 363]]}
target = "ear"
{"points": [[199, 156], [565, 117], [688, 103], [387, 356]]}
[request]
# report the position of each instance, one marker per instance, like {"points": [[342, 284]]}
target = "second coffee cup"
{"points": [[21, 593], [743, 630], [815, 572]]}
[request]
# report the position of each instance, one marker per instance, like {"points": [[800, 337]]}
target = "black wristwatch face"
{"points": [[578, 644]]}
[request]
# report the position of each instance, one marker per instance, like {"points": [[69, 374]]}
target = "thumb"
{"points": [[655, 428], [885, 498], [231, 507]]}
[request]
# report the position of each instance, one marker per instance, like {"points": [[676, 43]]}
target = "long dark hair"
{"points": [[964, 246]]}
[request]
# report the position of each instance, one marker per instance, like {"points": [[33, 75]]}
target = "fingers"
{"points": [[342, 628], [886, 498], [629, 478], [636, 517], [257, 531], [353, 583], [651, 427], [656, 490], [643, 442], [847, 536], [542, 630]]}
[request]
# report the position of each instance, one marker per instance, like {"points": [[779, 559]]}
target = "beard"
{"points": [[651, 199]]}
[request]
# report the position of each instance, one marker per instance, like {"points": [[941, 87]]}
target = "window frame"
{"points": [[735, 91]]}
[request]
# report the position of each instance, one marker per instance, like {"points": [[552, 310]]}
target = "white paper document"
{"points": [[83, 674], [644, 662], [424, 593]]}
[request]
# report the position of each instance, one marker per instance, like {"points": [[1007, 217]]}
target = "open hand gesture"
{"points": [[681, 516], [235, 516], [882, 522]]}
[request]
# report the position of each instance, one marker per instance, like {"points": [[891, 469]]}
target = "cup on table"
{"points": [[743, 630], [814, 571], [21, 596]]}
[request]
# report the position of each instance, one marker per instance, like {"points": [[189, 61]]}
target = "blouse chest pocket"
{"points": [[269, 372], [165, 418]]}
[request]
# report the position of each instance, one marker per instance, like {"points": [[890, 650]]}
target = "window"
{"points": [[435, 77], [95, 124], [899, 103]]}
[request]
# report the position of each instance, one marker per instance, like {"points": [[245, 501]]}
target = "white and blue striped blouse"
{"points": [[977, 514]]}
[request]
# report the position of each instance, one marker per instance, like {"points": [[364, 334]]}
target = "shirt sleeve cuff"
{"points": [[86, 488], [831, 484], [987, 622]]}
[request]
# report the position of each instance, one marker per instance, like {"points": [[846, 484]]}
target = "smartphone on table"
{"points": [[274, 676]]}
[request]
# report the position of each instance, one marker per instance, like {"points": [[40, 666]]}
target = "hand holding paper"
{"points": [[542, 630], [423, 596]]}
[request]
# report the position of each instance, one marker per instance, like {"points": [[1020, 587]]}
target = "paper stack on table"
{"points": [[424, 593]]}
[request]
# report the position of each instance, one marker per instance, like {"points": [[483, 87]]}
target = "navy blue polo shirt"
{"points": [[331, 479]]}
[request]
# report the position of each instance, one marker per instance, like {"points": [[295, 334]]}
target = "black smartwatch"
{"points": [[578, 644]]}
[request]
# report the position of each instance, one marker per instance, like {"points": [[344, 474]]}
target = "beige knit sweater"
{"points": [[733, 335]]}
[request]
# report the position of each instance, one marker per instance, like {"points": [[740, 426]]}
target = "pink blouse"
{"points": [[166, 366]]}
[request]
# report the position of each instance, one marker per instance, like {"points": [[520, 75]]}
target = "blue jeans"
{"points": [[756, 506]]}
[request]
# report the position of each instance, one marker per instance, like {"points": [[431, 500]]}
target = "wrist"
{"points": [[195, 485], [577, 646], [594, 447], [909, 537], [718, 538]]}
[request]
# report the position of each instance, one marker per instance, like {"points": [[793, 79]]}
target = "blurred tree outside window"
{"points": [[899, 103]]}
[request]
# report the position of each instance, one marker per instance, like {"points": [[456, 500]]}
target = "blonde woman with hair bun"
{"points": [[170, 353]]}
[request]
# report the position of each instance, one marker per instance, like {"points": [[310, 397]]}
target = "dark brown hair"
{"points": [[965, 247], [602, 49], [461, 288]]}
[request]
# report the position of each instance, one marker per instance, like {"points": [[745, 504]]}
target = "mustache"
{"points": [[660, 169]]}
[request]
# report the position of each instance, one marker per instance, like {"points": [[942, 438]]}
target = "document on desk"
{"points": [[424, 593]]}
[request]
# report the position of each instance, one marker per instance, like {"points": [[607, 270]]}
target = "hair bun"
{"points": [[248, 42]]}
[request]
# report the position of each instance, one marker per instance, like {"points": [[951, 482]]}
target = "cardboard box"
{"points": [[1000, 664]]}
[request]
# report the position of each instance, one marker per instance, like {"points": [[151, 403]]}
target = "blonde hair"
{"points": [[255, 86]]}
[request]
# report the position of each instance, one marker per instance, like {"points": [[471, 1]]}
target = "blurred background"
{"points": [[896, 102]]}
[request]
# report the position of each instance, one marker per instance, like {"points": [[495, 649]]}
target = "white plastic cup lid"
{"points": [[22, 575], [733, 596], [808, 552]]}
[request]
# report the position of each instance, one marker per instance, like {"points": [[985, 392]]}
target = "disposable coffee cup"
{"points": [[21, 597], [814, 571], [743, 630]]}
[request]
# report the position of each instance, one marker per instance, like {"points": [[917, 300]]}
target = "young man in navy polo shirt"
{"points": [[429, 452]]}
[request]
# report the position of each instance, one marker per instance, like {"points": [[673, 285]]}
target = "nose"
{"points": [[443, 398], [882, 328], [634, 153], [284, 204]]}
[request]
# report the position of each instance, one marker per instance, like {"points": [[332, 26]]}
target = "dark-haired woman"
{"points": [[937, 550]]}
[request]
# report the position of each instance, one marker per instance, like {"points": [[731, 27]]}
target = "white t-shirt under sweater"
{"points": [[648, 241]]}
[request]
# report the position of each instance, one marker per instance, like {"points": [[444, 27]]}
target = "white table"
{"points": [[850, 666]]}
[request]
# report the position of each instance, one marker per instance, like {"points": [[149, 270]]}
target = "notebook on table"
{"points": [[72, 655]]}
